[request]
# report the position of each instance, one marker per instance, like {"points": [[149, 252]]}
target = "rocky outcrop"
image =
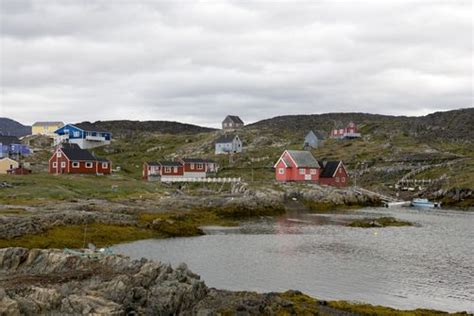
{"points": [[15, 226], [50, 281]]}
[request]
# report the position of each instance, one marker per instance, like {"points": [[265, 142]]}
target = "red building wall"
{"points": [[173, 171], [198, 167], [292, 173], [341, 178], [65, 166]]}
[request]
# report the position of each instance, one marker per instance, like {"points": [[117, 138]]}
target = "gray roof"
{"points": [[330, 168], [165, 163], [303, 158], [227, 138], [74, 152], [197, 160], [234, 118], [48, 123]]}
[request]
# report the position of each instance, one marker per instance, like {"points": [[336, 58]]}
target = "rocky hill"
{"points": [[13, 128], [127, 128], [451, 125]]}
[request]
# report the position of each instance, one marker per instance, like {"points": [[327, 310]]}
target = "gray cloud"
{"points": [[197, 61]]}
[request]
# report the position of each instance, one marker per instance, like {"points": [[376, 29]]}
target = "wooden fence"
{"points": [[201, 180]]}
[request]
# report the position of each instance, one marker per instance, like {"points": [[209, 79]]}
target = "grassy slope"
{"points": [[387, 141]]}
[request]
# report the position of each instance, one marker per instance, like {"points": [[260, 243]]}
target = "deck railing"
{"points": [[202, 180]]}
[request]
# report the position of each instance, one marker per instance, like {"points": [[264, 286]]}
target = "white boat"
{"points": [[424, 203]]}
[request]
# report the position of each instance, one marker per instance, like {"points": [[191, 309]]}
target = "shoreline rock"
{"points": [[50, 281]]}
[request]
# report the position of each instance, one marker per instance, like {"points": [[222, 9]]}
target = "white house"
{"points": [[228, 144]]}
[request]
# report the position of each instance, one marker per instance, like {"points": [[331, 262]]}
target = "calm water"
{"points": [[430, 265]]}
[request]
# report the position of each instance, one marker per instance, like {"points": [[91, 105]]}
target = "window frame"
{"points": [[76, 164], [302, 171], [91, 164]]}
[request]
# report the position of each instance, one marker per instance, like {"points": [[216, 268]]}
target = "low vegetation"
{"points": [[379, 222], [78, 236], [370, 310]]}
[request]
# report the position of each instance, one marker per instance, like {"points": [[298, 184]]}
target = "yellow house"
{"points": [[45, 128], [7, 164]]}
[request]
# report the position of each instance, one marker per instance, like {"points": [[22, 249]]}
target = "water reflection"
{"points": [[429, 266]]}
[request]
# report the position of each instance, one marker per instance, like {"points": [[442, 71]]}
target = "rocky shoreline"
{"points": [[241, 202], [53, 281]]}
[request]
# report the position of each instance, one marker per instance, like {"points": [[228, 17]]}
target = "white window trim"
{"points": [[167, 169], [63, 164], [192, 166], [76, 164], [175, 169], [200, 166], [281, 170], [337, 179], [89, 165], [55, 164], [302, 171], [59, 154], [105, 165], [313, 171], [343, 179]]}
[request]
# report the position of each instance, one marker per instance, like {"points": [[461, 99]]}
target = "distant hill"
{"points": [[125, 127], [13, 128], [452, 125]]}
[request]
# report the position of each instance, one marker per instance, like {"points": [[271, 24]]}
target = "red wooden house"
{"points": [[156, 170], [335, 174], [71, 159], [297, 165], [198, 168], [347, 132], [182, 168]]}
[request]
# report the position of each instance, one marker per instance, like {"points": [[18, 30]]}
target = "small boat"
{"points": [[424, 203]]}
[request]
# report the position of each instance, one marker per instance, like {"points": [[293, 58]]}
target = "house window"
{"points": [[313, 171], [302, 171], [55, 164], [175, 169], [76, 134], [337, 179], [75, 164], [59, 154], [168, 169], [192, 166], [89, 165], [281, 170], [63, 164], [105, 165], [343, 179], [200, 166]]}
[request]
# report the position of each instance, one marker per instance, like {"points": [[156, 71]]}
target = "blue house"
{"points": [[11, 146], [313, 140], [86, 135]]}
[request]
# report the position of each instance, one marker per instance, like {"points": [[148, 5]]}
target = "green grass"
{"points": [[72, 236], [41, 188], [371, 310]]}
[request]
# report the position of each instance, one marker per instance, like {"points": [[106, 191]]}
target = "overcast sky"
{"points": [[196, 61]]}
